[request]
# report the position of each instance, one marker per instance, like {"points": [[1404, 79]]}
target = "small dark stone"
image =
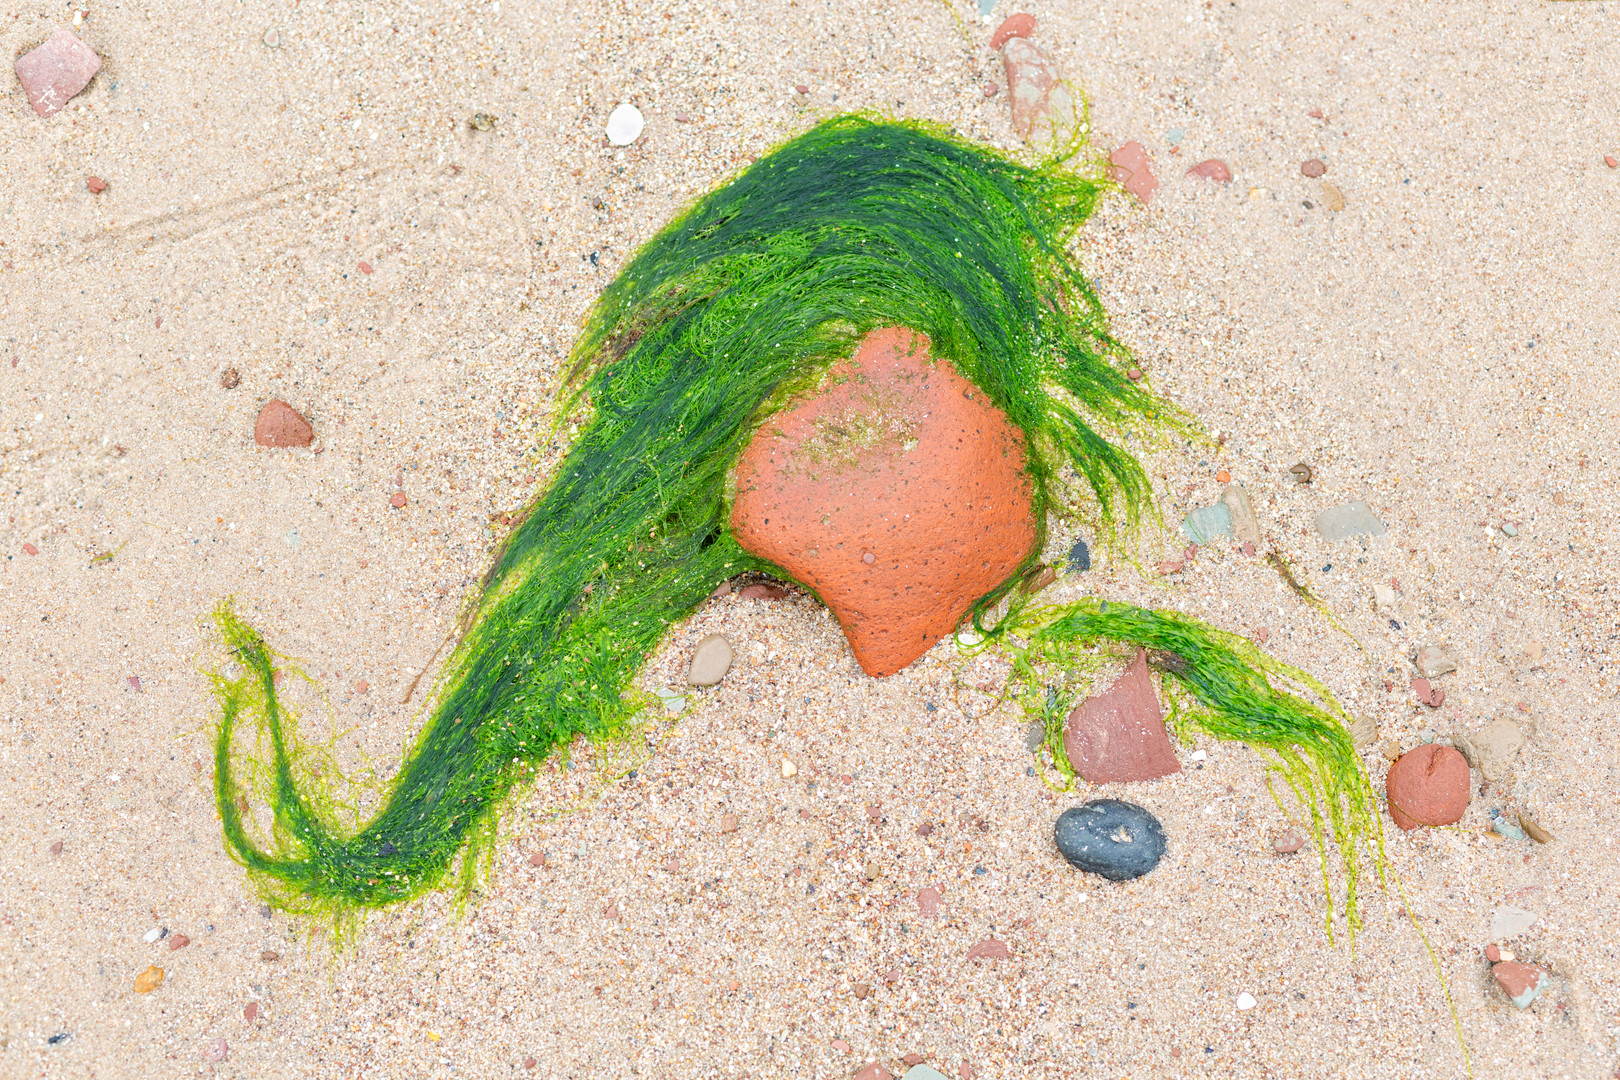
{"points": [[58, 1038], [1079, 557], [1110, 837], [387, 848]]}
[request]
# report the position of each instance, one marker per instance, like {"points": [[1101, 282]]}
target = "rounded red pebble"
{"points": [[1428, 786], [1020, 25], [397, 500], [365, 268], [1213, 169], [280, 425], [1611, 161], [990, 89], [801, 88], [96, 185], [1313, 168], [30, 549], [530, 1063], [251, 1012]]}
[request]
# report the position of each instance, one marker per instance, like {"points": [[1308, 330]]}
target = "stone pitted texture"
{"points": [[55, 71], [1245, 525], [1119, 734], [897, 493], [1043, 108], [279, 424], [1110, 837], [1492, 748], [1428, 786]]}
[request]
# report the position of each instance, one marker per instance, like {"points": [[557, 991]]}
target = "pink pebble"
{"points": [[57, 70], [1021, 26], [1133, 170], [1213, 169]]}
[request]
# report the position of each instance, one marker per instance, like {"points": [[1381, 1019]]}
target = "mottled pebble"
{"points": [[1428, 786], [873, 870], [862, 989], [398, 500], [1205, 524], [1313, 168], [1522, 983], [251, 1012], [216, 1051], [279, 424], [1110, 837], [230, 379], [272, 38], [178, 941], [1433, 661], [928, 902], [1350, 520], [728, 823], [625, 125], [269, 956], [1245, 525], [149, 980], [711, 659], [1021, 25], [1428, 694], [1079, 557], [1332, 197], [95, 184], [1132, 169], [1492, 748], [990, 949], [55, 71], [1288, 843], [1213, 169], [1034, 736]]}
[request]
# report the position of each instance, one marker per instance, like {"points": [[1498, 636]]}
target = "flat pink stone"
{"points": [[1213, 169], [1044, 112], [55, 71], [1118, 735], [1132, 168]]}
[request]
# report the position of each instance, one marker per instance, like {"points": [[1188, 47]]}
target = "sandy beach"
{"points": [[297, 193]]}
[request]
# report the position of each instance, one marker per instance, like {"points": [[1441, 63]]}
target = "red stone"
{"points": [[365, 268], [1119, 734], [762, 592], [1288, 843], [928, 902], [178, 941], [29, 549], [1016, 26], [55, 71], [1313, 168], [874, 1071], [913, 1059], [280, 425], [1515, 978], [96, 184], [899, 457], [1493, 953], [1428, 786], [1133, 169], [251, 1012], [990, 949], [1213, 169], [397, 500], [1611, 161]]}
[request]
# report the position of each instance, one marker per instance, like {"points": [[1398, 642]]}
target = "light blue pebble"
{"points": [[1207, 522]]}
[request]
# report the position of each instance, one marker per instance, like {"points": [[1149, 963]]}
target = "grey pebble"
{"points": [[1110, 837], [1433, 661], [1492, 748], [1034, 735], [1509, 922], [1079, 557], [1351, 519], [711, 659], [1245, 526]]}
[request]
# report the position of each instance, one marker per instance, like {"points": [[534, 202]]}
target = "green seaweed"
{"points": [[734, 308]]}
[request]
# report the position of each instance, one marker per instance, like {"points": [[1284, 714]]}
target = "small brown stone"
{"points": [[1531, 827], [149, 980], [1332, 197], [1611, 161], [913, 1059], [1493, 953], [178, 941], [1302, 473], [925, 829], [365, 268], [530, 1064], [397, 500], [964, 1071], [56, 848], [1428, 786], [1021, 25], [862, 989], [874, 1071], [1213, 169], [362, 686], [1118, 735], [873, 870], [1037, 579], [728, 823], [537, 859], [269, 956], [928, 902], [251, 1012], [1522, 983], [990, 949], [29, 549], [1288, 843], [762, 592], [230, 379], [279, 424], [901, 458], [95, 184], [1313, 168]]}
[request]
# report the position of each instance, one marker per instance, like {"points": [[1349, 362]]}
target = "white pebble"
{"points": [[1246, 1001], [1199, 755], [789, 769], [152, 935], [624, 125]]}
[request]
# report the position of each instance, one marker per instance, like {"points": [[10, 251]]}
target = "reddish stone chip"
{"points": [[279, 425], [178, 941], [251, 1012], [96, 185], [1213, 169], [30, 549], [762, 592], [874, 1071], [1118, 735], [55, 71], [1313, 168], [928, 902], [397, 500], [1428, 786], [990, 949], [1131, 167]]}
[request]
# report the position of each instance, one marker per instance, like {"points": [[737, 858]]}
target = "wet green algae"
{"points": [[736, 307]]}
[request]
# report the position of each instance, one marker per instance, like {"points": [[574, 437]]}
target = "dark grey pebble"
{"points": [[1079, 557], [1110, 837]]}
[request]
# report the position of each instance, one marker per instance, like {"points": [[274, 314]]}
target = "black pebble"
{"points": [[1079, 557], [1110, 837]]}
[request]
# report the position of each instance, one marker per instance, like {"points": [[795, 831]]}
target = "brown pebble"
{"points": [[1021, 25], [990, 949], [673, 865], [1134, 374], [1302, 473], [30, 549], [1429, 785], [680, 118], [178, 941], [1213, 169], [397, 500], [1313, 168], [530, 1063], [1037, 579], [269, 956], [611, 912], [279, 424], [1531, 827], [874, 812], [964, 1071], [1288, 843], [801, 88], [1493, 953], [1611, 161], [365, 268], [1316, 114], [873, 870], [925, 828], [928, 902], [862, 989], [230, 379], [251, 1012], [96, 185], [537, 859], [728, 823], [56, 848], [362, 686], [913, 1059], [990, 89], [149, 980], [762, 592]]}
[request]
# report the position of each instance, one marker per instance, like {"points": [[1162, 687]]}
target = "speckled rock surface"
{"points": [[1110, 837], [897, 493], [1119, 734], [54, 72], [1043, 107], [1428, 786]]}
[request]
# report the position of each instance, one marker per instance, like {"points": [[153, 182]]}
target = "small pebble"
{"points": [[801, 89], [361, 687], [789, 770], [1134, 374], [711, 659], [1313, 168], [55, 71], [482, 121], [229, 379], [874, 1071], [873, 871], [149, 980], [862, 989], [1132, 169], [990, 89], [1428, 786], [1492, 748], [1302, 473], [178, 941], [272, 38], [152, 935], [216, 1051], [1434, 661], [279, 425], [397, 500], [840, 1045], [530, 1064], [1332, 197], [925, 829], [1533, 829], [1207, 523], [537, 859], [1347, 521], [29, 549], [1245, 1001], [625, 125], [928, 902], [251, 1012], [56, 848], [1611, 161], [1522, 983], [1213, 169], [1021, 25], [728, 823], [95, 184], [1110, 837], [763, 592], [269, 956], [990, 949], [1288, 843], [1079, 557]]}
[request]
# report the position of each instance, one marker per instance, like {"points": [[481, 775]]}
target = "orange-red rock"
{"points": [[896, 491], [1428, 786], [1021, 25], [1118, 735], [1131, 167], [280, 425]]}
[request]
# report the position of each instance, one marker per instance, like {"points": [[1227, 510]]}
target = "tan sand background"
{"points": [[1446, 347]]}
